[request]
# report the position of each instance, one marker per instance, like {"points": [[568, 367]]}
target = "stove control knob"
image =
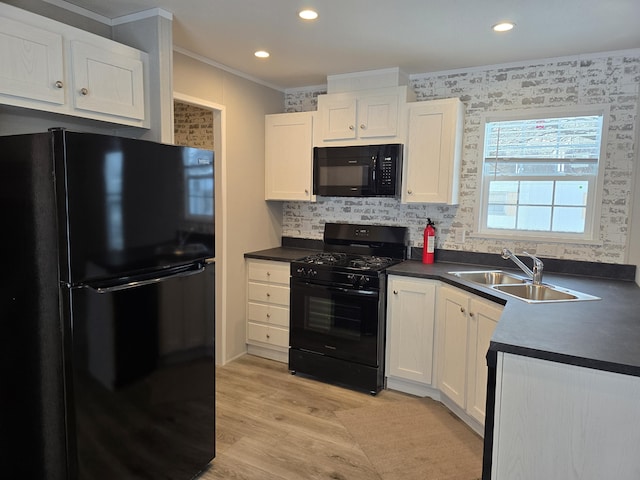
{"points": [[300, 271], [312, 272], [363, 280]]}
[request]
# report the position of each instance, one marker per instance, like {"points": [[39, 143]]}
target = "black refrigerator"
{"points": [[106, 308]]}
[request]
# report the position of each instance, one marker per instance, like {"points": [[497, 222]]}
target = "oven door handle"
{"points": [[351, 291]]}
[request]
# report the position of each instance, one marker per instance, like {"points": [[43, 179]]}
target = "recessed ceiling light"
{"points": [[503, 26], [308, 14], [261, 54]]}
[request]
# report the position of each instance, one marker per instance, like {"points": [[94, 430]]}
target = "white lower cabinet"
{"points": [[564, 422], [268, 309], [410, 334], [437, 340], [465, 324]]}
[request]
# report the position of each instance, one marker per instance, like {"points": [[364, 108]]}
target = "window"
{"points": [[540, 175]]}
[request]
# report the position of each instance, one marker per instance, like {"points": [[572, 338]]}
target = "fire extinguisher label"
{"points": [[431, 244]]}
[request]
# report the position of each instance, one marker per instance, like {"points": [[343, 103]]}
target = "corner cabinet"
{"points": [[361, 117], [268, 309], [289, 156], [50, 66], [465, 324], [433, 152], [410, 334]]}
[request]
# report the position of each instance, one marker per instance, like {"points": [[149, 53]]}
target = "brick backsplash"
{"points": [[612, 79]]}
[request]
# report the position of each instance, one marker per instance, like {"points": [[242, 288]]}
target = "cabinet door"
{"points": [[105, 81], [338, 117], [378, 116], [453, 332], [410, 327], [32, 65], [433, 150], [289, 156], [483, 318]]}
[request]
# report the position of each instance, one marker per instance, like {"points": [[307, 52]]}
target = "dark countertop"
{"points": [[602, 334], [281, 254]]}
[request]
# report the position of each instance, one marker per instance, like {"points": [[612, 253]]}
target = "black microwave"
{"points": [[357, 171]]}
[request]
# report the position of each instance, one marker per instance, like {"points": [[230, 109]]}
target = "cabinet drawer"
{"points": [[271, 272], [271, 314], [265, 334], [263, 292]]}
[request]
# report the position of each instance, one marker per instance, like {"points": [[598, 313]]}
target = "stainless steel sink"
{"points": [[543, 293], [522, 288], [490, 277]]}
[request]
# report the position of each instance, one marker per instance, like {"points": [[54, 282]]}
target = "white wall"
{"points": [[248, 223]]}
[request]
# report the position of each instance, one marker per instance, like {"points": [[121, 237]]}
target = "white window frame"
{"points": [[594, 201]]}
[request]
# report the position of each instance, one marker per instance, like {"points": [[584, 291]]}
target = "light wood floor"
{"points": [[273, 425]]}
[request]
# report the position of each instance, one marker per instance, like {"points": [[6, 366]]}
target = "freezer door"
{"points": [[130, 205], [143, 377]]}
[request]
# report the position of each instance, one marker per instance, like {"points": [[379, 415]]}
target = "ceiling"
{"points": [[419, 36]]}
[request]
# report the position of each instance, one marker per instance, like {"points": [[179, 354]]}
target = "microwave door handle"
{"points": [[373, 169]]}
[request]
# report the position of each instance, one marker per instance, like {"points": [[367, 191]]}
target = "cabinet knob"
{"points": [[350, 127], [268, 274], [59, 84], [471, 314], [363, 126], [462, 310], [306, 192], [268, 315], [268, 294], [395, 292], [84, 92], [409, 192], [268, 336]]}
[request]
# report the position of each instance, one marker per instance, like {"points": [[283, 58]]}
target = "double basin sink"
{"points": [[522, 288]]}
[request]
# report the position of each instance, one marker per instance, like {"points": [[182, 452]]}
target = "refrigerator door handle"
{"points": [[141, 283]]}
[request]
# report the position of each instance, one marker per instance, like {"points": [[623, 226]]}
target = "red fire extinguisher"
{"points": [[429, 244]]}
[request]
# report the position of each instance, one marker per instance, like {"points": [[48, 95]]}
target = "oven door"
{"points": [[335, 321]]}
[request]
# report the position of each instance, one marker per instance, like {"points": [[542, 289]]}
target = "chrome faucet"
{"points": [[536, 274]]}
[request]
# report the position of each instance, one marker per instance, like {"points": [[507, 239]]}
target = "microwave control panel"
{"points": [[386, 171]]}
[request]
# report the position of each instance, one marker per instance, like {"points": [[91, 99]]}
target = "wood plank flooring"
{"points": [[274, 425]]}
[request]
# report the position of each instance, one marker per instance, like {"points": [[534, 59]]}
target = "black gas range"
{"points": [[337, 305]]}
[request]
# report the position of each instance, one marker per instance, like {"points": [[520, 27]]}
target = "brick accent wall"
{"points": [[612, 79], [193, 126]]}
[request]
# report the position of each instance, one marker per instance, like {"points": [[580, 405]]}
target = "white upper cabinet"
{"points": [[53, 67], [433, 152], [107, 81], [32, 66], [289, 156], [360, 117]]}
